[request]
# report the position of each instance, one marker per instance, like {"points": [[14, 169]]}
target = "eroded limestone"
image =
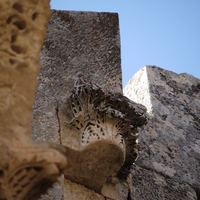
{"points": [[169, 143], [148, 185], [26, 170]]}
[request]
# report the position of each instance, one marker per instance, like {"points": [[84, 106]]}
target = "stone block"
{"points": [[170, 142], [79, 101]]}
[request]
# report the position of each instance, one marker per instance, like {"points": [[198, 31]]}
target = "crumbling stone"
{"points": [[26, 169], [148, 185], [169, 143]]}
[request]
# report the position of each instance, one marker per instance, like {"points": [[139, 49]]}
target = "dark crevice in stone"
{"points": [[129, 195], [59, 128], [197, 190]]}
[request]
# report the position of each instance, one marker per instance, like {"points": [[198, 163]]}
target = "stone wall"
{"points": [[169, 156]]}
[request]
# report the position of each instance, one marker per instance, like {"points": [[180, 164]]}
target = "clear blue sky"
{"points": [[165, 33]]}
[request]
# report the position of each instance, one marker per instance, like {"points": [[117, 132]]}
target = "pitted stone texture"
{"points": [[78, 43], [170, 142], [26, 170], [22, 32], [148, 185], [81, 42]]}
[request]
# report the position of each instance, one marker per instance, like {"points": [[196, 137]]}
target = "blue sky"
{"points": [[165, 33]]}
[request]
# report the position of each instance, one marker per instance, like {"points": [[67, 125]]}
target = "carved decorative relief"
{"points": [[28, 170], [93, 130]]}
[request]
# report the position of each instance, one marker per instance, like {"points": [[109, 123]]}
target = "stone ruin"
{"points": [[94, 140]]}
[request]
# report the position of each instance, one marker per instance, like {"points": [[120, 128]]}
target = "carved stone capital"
{"points": [[28, 170], [92, 129]]}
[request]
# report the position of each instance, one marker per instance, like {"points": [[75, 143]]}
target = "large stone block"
{"points": [[78, 44], [79, 101], [170, 142]]}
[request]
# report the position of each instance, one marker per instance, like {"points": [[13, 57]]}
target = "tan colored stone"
{"points": [[26, 170], [75, 191], [92, 132], [22, 32]]}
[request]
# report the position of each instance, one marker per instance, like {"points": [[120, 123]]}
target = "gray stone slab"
{"points": [[78, 44], [170, 142]]}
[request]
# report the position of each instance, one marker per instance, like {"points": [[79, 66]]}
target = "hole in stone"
{"points": [[21, 24], [16, 49], [34, 16], [18, 7], [12, 61], [13, 38], [1, 173], [19, 191], [8, 21], [197, 190], [75, 111]]}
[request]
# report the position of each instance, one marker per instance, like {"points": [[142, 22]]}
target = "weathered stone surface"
{"points": [[170, 142], [92, 125], [92, 49], [26, 170], [90, 53], [75, 191], [149, 185], [115, 189], [92, 132], [22, 32]]}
